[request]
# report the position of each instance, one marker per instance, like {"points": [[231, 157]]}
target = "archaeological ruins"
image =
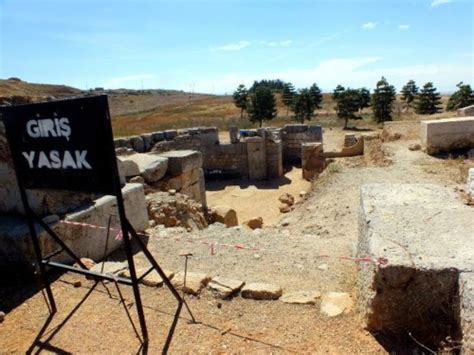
{"points": [[414, 240]]}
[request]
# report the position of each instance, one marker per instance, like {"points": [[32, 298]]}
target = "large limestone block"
{"points": [[261, 291], [15, 244], [415, 238], [181, 161], [447, 134], [151, 167], [257, 158]]}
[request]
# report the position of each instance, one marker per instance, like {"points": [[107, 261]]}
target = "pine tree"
{"points": [[288, 96], [428, 101], [347, 104], [409, 92], [317, 95], [364, 98], [304, 105], [262, 105], [241, 98], [336, 93], [382, 100], [463, 97]]}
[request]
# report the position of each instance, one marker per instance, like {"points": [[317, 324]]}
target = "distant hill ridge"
{"points": [[17, 87]]}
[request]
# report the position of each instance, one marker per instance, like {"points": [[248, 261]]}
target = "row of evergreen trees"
{"points": [[260, 101]]}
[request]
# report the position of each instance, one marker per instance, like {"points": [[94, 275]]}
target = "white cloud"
{"points": [[119, 82], [237, 46], [369, 26], [284, 43], [404, 27], [440, 2], [352, 72]]}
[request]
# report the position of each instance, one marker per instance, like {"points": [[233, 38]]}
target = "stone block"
{"points": [[312, 161], [137, 144], [147, 141], [257, 159], [447, 134], [224, 214], [170, 134], [261, 291], [195, 282], [158, 137], [315, 133], [150, 166], [466, 111], [301, 297], [234, 134], [415, 238], [181, 161], [223, 288], [295, 128], [16, 249], [470, 182]]}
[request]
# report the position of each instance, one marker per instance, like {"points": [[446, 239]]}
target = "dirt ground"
{"points": [[323, 229], [241, 196]]}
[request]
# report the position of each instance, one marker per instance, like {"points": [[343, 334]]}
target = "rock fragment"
{"points": [[336, 303], [223, 288], [301, 297], [261, 291], [195, 282]]}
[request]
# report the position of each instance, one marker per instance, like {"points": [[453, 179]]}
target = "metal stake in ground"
{"points": [[186, 256]]}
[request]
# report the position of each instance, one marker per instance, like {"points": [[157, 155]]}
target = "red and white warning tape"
{"points": [[213, 245]]}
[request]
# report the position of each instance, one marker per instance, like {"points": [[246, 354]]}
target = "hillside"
{"points": [[140, 111], [16, 87]]}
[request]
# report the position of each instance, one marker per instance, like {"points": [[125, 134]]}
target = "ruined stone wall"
{"points": [[227, 158], [295, 134]]}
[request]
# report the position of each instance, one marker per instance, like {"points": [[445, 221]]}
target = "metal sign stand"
{"points": [[129, 235]]}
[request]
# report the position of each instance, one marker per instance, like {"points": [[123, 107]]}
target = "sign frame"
{"points": [[107, 183]]}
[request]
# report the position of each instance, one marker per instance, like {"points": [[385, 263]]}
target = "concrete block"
{"points": [[315, 132], [16, 249], [180, 161], [415, 238], [150, 166], [447, 134]]}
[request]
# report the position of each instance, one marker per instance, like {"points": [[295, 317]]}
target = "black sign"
{"points": [[63, 145]]}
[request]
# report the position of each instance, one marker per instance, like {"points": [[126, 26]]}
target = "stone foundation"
{"points": [[277, 146]]}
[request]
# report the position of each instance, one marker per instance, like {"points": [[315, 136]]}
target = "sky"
{"points": [[213, 46]]}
